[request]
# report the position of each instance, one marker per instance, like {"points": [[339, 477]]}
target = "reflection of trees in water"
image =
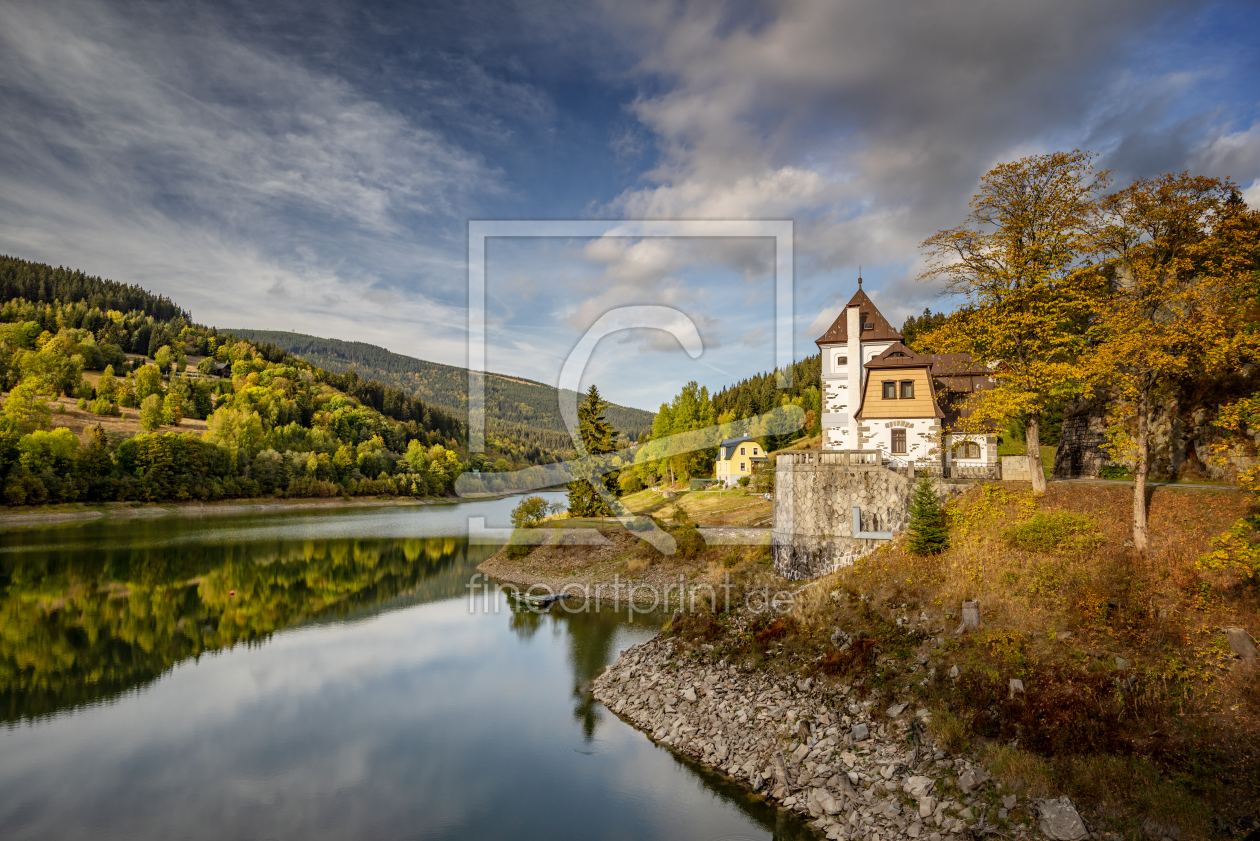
{"points": [[83, 626], [592, 634], [524, 622]]}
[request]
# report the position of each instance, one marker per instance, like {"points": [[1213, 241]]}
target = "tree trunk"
{"points": [[1032, 439], [1142, 445]]}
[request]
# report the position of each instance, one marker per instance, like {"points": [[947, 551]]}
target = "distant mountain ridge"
{"points": [[512, 403]]}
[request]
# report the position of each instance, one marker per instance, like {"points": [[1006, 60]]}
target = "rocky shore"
{"points": [[852, 771]]}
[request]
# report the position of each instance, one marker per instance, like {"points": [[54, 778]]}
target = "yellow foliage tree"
{"points": [[1170, 309], [27, 405], [1017, 260]]}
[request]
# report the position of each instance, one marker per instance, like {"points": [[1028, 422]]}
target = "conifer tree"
{"points": [[599, 437], [928, 535]]}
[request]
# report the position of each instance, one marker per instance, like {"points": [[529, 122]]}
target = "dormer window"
{"points": [[896, 353], [870, 325]]}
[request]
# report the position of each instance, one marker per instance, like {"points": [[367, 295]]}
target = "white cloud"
{"points": [[248, 187]]}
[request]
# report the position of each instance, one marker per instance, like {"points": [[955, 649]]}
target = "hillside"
{"points": [[512, 403]]}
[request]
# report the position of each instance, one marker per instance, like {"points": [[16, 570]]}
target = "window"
{"points": [[842, 360], [741, 451], [743, 466], [754, 451], [890, 391], [967, 449], [907, 390], [895, 353], [898, 440]]}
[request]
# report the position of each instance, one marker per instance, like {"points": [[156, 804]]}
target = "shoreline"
{"points": [[810, 746], [35, 517], [619, 569]]}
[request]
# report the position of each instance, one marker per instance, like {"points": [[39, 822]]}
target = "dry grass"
{"points": [[706, 508], [1175, 739], [77, 421]]}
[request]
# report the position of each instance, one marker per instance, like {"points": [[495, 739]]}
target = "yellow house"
{"points": [[736, 457]]}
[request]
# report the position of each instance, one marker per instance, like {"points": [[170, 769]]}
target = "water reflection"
{"points": [[318, 683]]}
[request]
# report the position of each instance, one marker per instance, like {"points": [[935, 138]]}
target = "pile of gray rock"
{"points": [[854, 772]]}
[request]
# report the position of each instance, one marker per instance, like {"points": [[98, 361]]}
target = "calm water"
{"points": [[314, 676]]}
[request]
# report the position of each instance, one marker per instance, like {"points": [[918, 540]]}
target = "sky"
{"points": [[313, 166]]}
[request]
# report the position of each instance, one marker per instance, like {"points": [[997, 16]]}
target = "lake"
{"points": [[319, 675]]}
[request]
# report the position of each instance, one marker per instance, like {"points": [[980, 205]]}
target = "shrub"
{"points": [[1051, 531], [857, 658], [689, 541], [151, 413], [531, 511], [630, 482]]}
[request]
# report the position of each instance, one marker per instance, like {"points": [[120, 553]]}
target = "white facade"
{"points": [[922, 438], [842, 381], [983, 451]]}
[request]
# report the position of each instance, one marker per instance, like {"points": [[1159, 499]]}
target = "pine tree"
{"points": [[599, 437], [928, 535]]}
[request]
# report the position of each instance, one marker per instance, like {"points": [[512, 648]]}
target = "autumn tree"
{"points": [[1016, 260], [1169, 312], [27, 405], [151, 413]]}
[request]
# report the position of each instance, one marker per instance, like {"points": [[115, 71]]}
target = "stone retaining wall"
{"points": [[814, 497]]}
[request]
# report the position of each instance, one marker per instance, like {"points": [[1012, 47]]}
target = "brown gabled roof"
{"points": [[947, 364], [899, 356], [880, 330]]}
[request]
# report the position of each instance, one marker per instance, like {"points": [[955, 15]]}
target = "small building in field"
{"points": [[736, 457]]}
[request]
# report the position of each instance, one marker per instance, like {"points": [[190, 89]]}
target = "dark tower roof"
{"points": [[874, 327]]}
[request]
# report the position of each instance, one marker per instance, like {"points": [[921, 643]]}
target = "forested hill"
{"points": [[760, 392], [43, 283], [512, 401]]}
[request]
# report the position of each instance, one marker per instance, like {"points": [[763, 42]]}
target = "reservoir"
{"points": [[320, 675]]}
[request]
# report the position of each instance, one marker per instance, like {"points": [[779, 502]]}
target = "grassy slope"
{"points": [[508, 399], [707, 508], [1174, 740]]}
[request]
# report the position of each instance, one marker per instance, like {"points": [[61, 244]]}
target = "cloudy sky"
{"points": [[313, 165]]}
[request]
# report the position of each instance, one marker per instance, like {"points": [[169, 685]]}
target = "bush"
{"points": [[629, 482], [1050, 531], [743, 481], [103, 406], [530, 511]]}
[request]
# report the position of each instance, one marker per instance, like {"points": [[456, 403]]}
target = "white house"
{"points": [[880, 395]]}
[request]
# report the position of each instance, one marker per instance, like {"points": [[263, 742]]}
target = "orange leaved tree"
{"points": [[1171, 311], [1017, 260]]}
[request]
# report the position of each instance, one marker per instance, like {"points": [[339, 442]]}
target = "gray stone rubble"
{"points": [[852, 771]]}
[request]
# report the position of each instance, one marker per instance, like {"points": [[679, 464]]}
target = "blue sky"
{"points": [[313, 166]]}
